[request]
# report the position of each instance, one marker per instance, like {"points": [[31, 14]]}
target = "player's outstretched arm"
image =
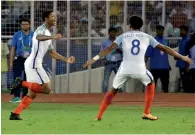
{"points": [[57, 56], [173, 53], [44, 37], [103, 53]]}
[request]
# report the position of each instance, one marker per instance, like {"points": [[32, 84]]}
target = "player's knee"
{"points": [[151, 83], [32, 95], [114, 90], [47, 91]]}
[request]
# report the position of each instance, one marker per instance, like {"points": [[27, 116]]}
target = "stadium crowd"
{"points": [[177, 13], [179, 17]]}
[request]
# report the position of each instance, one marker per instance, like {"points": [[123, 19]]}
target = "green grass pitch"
{"points": [[48, 118]]}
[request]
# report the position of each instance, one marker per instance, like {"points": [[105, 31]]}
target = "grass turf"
{"points": [[65, 118]]}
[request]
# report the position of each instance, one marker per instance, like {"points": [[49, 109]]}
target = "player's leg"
{"points": [[147, 79], [25, 90], [35, 87], [164, 77], [42, 85], [107, 73], [26, 101], [37, 81], [118, 82], [46, 87]]}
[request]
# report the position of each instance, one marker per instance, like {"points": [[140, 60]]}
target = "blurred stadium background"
{"points": [[84, 26]]}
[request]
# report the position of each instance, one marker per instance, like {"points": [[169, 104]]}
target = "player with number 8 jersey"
{"points": [[134, 45]]}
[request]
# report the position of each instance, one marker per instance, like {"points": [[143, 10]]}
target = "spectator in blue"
{"points": [[20, 50], [191, 68], [159, 63], [111, 61], [184, 75]]}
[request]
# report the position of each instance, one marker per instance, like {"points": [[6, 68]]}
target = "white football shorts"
{"points": [[37, 75], [121, 78]]}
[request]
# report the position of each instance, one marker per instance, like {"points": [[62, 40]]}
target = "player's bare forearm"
{"points": [[107, 50], [174, 53], [44, 37], [169, 51], [57, 56], [103, 53]]}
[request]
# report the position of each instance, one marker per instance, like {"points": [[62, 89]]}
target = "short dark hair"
{"points": [[184, 27], [112, 29], [24, 20], [160, 27], [46, 14], [136, 22]]}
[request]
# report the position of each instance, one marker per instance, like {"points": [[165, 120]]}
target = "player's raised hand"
{"points": [[58, 36], [88, 63], [187, 59], [71, 59]]}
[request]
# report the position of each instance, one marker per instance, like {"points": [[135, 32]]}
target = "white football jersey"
{"points": [[39, 48], [134, 45]]}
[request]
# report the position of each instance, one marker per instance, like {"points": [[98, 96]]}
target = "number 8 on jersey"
{"points": [[135, 47]]}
